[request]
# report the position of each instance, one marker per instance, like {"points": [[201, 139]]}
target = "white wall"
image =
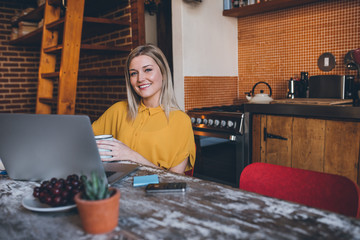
{"points": [[150, 28], [204, 42]]}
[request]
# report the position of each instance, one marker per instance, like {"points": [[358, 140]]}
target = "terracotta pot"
{"points": [[99, 216]]}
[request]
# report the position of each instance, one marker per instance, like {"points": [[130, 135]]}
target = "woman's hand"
{"points": [[120, 152], [181, 167]]}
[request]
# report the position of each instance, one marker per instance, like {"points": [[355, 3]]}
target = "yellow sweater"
{"points": [[166, 143]]}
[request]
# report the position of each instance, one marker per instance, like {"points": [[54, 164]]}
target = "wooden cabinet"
{"points": [[342, 148], [265, 6], [277, 151], [322, 145], [308, 139]]}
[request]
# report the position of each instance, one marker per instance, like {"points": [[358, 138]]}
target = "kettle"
{"points": [[261, 97]]}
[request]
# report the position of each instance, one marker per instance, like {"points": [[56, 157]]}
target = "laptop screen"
{"points": [[40, 146]]}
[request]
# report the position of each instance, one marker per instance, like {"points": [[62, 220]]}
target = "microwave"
{"points": [[331, 86]]}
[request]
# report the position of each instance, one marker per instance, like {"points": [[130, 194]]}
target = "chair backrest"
{"points": [[315, 189]]}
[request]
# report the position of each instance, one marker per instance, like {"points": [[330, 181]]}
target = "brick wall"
{"points": [[96, 94], [18, 65]]}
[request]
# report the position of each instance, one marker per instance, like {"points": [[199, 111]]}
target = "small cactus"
{"points": [[95, 188]]}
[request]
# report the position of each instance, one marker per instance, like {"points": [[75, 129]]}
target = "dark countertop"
{"points": [[206, 211], [339, 112]]}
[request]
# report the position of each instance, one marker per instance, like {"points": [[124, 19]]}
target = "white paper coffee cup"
{"points": [[104, 137]]}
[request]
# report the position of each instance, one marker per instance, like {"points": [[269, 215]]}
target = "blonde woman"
{"points": [[149, 128]]}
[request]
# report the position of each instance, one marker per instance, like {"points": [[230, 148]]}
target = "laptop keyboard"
{"points": [[109, 173]]}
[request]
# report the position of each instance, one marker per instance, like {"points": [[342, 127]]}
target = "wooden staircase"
{"points": [[64, 37], [58, 81], [70, 54]]}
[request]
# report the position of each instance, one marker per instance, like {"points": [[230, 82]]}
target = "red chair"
{"points": [[315, 189]]}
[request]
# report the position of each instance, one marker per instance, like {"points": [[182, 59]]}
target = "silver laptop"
{"points": [[38, 147]]}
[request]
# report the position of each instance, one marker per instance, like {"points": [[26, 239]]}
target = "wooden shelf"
{"points": [[32, 38], [100, 74], [33, 16], [95, 8], [92, 26], [93, 74], [263, 7], [37, 14], [90, 48]]}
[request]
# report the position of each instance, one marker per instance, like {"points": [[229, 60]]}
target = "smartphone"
{"points": [[166, 187]]}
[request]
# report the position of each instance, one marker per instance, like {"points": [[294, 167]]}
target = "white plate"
{"points": [[33, 204]]}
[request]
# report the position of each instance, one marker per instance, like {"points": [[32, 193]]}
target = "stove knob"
{"points": [[211, 122], [205, 121], [192, 120], [223, 123], [216, 123], [198, 120], [230, 124]]}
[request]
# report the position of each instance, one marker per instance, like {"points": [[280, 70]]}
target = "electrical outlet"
{"points": [[326, 62]]}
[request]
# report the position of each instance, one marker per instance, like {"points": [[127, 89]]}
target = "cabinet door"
{"points": [[275, 150], [342, 148], [314, 144], [308, 144]]}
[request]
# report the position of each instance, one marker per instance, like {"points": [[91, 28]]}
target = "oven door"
{"points": [[219, 156]]}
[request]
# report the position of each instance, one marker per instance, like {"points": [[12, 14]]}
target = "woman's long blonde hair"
{"points": [[167, 96]]}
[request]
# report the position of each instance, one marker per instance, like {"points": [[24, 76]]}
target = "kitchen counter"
{"points": [[309, 134], [206, 211], [339, 112]]}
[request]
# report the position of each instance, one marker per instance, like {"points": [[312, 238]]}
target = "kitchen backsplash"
{"points": [[276, 46], [209, 91]]}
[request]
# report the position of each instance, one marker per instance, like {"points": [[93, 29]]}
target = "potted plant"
{"points": [[98, 205]]}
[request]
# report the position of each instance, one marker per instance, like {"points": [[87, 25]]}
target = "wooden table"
{"points": [[206, 211]]}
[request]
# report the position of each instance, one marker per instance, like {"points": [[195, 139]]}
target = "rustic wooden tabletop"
{"points": [[206, 210]]}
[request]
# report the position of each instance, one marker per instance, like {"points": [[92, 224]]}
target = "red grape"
{"points": [[58, 192], [75, 183], [56, 201], [69, 187], [64, 194], [36, 192], [42, 194], [53, 180], [44, 184], [48, 200], [58, 184]]}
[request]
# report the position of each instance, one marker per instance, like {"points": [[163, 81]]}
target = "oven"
{"points": [[222, 143]]}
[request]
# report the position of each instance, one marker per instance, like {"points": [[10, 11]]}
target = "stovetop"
{"points": [[227, 118]]}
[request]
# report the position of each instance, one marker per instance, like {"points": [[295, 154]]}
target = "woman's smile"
{"points": [[144, 86]]}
